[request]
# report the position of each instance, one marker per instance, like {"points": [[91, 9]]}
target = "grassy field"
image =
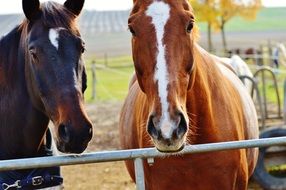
{"points": [[112, 79], [268, 19], [113, 75]]}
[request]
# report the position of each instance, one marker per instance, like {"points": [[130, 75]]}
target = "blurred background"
{"points": [[239, 26], [252, 29]]}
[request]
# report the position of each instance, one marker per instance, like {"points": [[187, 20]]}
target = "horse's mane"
{"points": [[9, 45], [56, 15]]}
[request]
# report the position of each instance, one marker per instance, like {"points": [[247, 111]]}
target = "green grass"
{"points": [[271, 95], [268, 19], [115, 62], [278, 171], [111, 81]]}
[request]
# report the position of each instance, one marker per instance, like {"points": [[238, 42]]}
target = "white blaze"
{"points": [[160, 13], [54, 37]]}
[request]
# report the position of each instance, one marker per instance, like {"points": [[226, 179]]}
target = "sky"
{"points": [[14, 6]]}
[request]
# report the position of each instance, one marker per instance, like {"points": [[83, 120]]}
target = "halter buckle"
{"points": [[38, 180]]}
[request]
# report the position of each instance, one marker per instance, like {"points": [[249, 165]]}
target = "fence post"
{"points": [[256, 58], [269, 48], [139, 174], [93, 71], [284, 100]]}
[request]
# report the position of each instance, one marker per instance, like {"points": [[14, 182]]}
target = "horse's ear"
{"points": [[75, 6], [31, 8]]}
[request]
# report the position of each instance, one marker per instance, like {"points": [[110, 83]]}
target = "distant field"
{"points": [[111, 80], [268, 19], [95, 22], [105, 32]]}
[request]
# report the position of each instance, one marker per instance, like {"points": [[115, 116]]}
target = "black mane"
{"points": [[56, 15], [9, 45]]}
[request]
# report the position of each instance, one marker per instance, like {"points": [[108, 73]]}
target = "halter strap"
{"points": [[35, 178], [35, 182]]}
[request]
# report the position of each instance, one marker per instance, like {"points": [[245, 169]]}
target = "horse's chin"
{"points": [[170, 149], [65, 148]]}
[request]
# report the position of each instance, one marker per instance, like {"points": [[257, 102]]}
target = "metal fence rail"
{"points": [[133, 154], [120, 155]]}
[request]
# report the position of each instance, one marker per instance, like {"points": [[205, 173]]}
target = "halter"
{"points": [[33, 178]]}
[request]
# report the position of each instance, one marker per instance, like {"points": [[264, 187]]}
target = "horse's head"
{"points": [[55, 71], [162, 47]]}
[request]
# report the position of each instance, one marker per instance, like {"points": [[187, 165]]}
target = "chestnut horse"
{"points": [[183, 95], [42, 78]]}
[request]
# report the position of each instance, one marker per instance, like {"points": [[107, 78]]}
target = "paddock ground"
{"points": [[103, 176]]}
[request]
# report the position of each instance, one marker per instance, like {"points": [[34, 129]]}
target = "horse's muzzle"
{"points": [[71, 140], [170, 136]]}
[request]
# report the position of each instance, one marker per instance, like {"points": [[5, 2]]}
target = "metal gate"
{"points": [[134, 154]]}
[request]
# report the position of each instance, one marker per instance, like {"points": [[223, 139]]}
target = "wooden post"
{"points": [[93, 71]]}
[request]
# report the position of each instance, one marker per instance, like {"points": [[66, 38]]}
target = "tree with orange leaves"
{"points": [[218, 12]]}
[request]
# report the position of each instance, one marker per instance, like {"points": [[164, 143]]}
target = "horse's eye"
{"points": [[190, 27], [33, 53], [189, 68], [132, 30]]}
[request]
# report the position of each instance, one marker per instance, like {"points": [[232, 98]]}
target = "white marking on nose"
{"points": [[54, 37], [160, 14]]}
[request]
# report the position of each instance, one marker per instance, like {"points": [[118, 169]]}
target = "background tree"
{"points": [[218, 12], [205, 13], [247, 9]]}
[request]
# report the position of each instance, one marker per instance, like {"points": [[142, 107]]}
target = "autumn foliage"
{"points": [[218, 12]]}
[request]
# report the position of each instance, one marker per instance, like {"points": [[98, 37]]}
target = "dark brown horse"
{"points": [[181, 95], [42, 78]]}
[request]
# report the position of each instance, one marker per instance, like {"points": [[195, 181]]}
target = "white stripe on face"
{"points": [[54, 37], [160, 13]]}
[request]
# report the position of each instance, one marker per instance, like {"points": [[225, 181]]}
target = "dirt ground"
{"points": [[103, 176]]}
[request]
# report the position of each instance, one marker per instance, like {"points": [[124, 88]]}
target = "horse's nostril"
{"points": [[182, 126], [90, 133], [63, 133], [151, 129]]}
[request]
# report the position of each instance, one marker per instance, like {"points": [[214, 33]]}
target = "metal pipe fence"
{"points": [[134, 154]]}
